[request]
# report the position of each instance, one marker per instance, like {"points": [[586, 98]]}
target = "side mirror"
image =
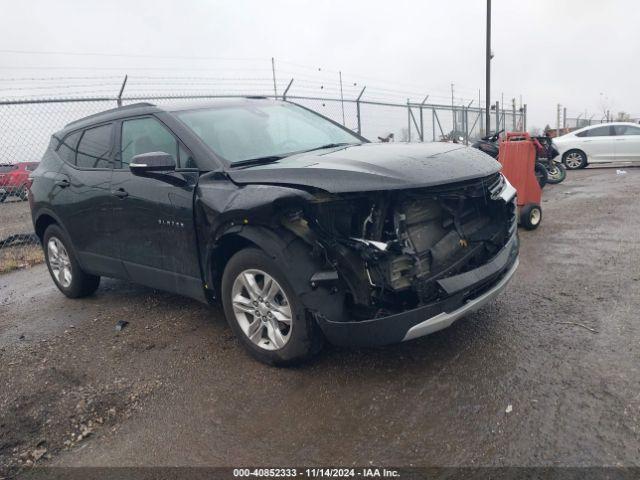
{"points": [[152, 162]]}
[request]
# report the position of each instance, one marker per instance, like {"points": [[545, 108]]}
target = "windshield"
{"points": [[240, 133]]}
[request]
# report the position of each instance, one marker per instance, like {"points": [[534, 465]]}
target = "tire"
{"points": [[3, 197], [557, 173], [541, 174], [531, 216], [574, 159], [274, 342], [23, 193], [64, 267]]}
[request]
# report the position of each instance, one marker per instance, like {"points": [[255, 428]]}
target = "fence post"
{"points": [[341, 98], [358, 110], [422, 119], [273, 72], [524, 117], [513, 114], [465, 122], [119, 100], [433, 123], [497, 115], [564, 117], [409, 120]]}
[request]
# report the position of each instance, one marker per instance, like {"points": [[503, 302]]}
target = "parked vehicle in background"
{"points": [[14, 179], [304, 230], [607, 142]]}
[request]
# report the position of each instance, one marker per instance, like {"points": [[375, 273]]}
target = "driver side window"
{"points": [[145, 135]]}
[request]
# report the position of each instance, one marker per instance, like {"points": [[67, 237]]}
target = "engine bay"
{"points": [[390, 248]]}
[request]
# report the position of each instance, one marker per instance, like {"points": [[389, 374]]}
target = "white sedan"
{"points": [[606, 142]]}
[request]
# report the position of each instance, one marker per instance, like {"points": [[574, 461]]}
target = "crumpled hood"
{"points": [[373, 166]]}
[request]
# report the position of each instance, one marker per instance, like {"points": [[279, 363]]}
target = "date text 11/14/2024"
{"points": [[319, 472]]}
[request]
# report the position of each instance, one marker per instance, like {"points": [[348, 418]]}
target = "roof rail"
{"points": [[111, 110]]}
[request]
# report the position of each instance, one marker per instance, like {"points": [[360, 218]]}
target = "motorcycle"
{"points": [[546, 154], [491, 146]]}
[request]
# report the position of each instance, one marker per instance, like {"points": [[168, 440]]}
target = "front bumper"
{"points": [[469, 291]]}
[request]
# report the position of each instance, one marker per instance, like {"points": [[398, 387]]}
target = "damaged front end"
{"points": [[407, 262]]}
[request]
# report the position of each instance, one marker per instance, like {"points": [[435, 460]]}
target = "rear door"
{"points": [[598, 143], [81, 196], [627, 141], [152, 215]]}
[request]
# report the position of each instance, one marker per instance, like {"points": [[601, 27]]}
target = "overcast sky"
{"points": [[582, 54]]}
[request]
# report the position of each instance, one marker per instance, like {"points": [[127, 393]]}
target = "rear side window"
{"points": [[94, 149], [7, 168], [30, 167], [626, 130], [67, 148]]}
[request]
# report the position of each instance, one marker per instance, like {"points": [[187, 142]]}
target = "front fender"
{"points": [[296, 260]]}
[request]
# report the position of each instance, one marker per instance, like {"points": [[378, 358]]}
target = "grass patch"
{"points": [[20, 256]]}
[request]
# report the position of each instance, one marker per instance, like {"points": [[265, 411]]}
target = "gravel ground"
{"points": [[15, 217], [547, 374]]}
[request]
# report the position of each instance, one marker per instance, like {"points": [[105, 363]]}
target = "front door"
{"points": [[599, 144], [627, 141], [152, 215]]}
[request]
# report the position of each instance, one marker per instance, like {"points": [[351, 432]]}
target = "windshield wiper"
{"points": [[330, 145], [258, 160], [275, 158]]}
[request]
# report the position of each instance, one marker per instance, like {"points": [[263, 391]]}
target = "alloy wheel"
{"points": [[59, 262], [262, 309], [573, 160]]}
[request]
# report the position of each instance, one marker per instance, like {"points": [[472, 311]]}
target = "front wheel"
{"points": [[556, 173], [64, 267], [531, 216], [574, 159], [264, 311]]}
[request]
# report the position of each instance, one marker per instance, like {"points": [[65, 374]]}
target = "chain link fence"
{"points": [[27, 125], [580, 122]]}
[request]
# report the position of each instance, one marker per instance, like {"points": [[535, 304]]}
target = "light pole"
{"points": [[488, 69], [453, 113]]}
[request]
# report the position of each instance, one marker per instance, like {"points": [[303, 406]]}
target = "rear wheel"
{"points": [[531, 216], [3, 197], [556, 173], [574, 159], [541, 174], [264, 311], [63, 265]]}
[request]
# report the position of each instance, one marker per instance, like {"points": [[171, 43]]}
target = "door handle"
{"points": [[120, 193], [62, 183]]}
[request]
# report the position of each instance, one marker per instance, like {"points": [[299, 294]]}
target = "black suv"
{"points": [[304, 230]]}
